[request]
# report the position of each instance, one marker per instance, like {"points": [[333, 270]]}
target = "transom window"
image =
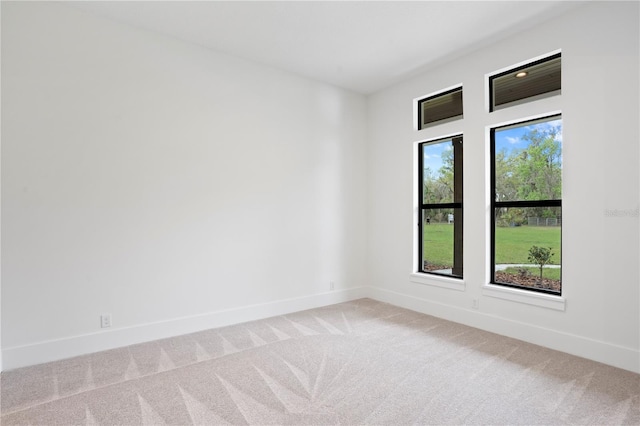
{"points": [[440, 107], [525, 83]]}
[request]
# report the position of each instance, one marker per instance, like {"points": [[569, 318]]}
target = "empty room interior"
{"points": [[260, 213]]}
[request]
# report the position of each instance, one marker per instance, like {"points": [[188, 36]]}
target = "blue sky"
{"points": [[433, 155], [510, 139]]}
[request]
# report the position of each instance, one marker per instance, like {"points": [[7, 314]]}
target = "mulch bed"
{"points": [[530, 281], [435, 267], [527, 281]]}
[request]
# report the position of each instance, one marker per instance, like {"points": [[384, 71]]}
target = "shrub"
{"points": [[540, 256]]}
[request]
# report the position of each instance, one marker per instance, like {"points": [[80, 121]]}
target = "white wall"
{"points": [[0, 196], [168, 185], [599, 103], [179, 189]]}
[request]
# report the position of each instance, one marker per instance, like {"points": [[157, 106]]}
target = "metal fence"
{"points": [[544, 221]]}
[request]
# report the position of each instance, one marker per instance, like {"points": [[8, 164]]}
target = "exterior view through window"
{"points": [[440, 198], [526, 179]]}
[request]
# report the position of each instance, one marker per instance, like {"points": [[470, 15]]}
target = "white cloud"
{"points": [[548, 126], [513, 140]]}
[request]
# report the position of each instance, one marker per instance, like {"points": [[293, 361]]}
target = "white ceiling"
{"points": [[363, 46]]}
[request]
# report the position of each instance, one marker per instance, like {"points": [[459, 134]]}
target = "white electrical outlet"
{"points": [[332, 285], [105, 320], [474, 304]]}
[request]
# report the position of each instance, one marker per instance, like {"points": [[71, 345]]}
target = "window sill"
{"points": [[438, 281], [523, 296]]}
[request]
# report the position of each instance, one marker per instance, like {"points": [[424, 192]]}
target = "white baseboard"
{"points": [[53, 350], [606, 353]]}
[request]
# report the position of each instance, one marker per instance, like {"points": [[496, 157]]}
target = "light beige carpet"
{"points": [[362, 362]]}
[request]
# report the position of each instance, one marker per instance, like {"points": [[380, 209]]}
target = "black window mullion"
{"points": [[420, 199], [528, 203], [442, 206]]}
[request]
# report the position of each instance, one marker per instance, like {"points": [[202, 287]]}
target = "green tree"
{"points": [[507, 183], [538, 168], [530, 173], [437, 187], [540, 256]]}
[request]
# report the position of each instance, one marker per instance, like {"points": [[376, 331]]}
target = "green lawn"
{"points": [[438, 244], [512, 243]]}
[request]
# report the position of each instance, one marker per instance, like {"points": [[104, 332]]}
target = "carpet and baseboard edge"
{"points": [[52, 350]]}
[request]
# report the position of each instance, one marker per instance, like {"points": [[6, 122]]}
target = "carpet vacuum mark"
{"points": [[360, 362]]}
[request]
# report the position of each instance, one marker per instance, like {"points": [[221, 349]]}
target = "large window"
{"points": [[440, 203], [526, 180]]}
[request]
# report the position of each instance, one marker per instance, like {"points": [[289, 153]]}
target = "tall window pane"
{"points": [[441, 219], [527, 205]]}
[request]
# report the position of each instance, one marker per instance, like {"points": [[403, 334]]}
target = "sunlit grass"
{"points": [[438, 244], [512, 243]]}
